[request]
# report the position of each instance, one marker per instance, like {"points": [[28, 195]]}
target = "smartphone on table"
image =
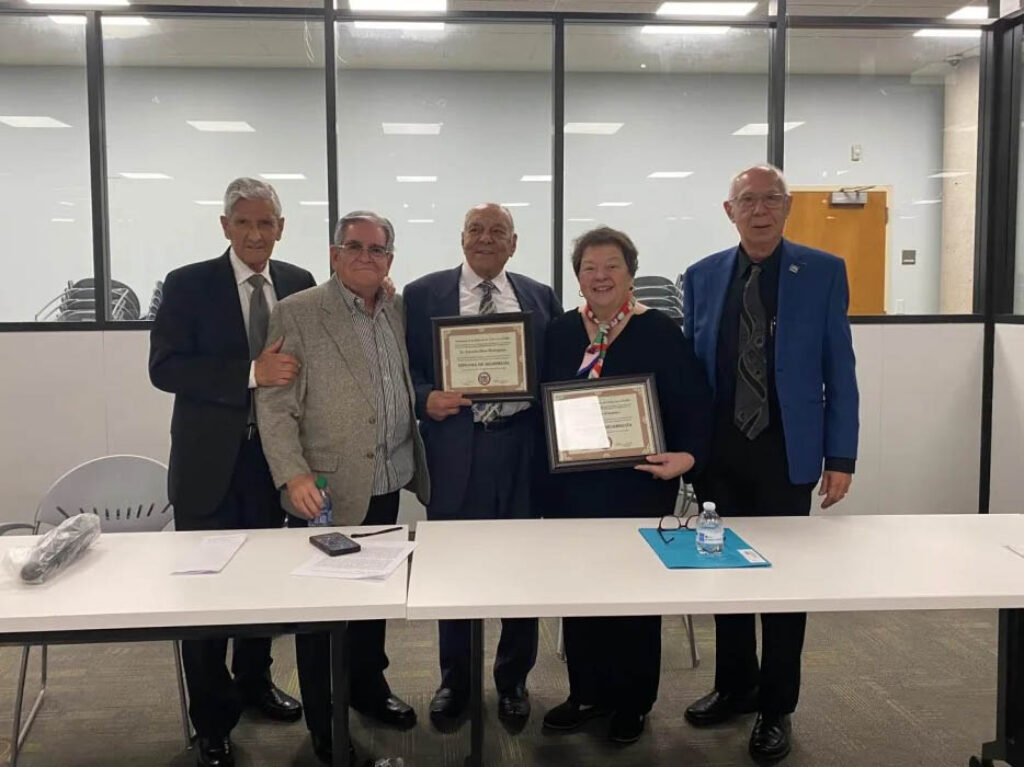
{"points": [[334, 544]]}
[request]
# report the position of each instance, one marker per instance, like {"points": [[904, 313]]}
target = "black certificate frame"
{"points": [[528, 394], [653, 413]]}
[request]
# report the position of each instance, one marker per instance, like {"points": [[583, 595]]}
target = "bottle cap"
{"points": [[708, 506], [321, 483]]}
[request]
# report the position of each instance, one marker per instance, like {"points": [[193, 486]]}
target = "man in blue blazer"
{"points": [[768, 320], [483, 463]]}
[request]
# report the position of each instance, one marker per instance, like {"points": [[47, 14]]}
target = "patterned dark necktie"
{"points": [[486, 412], [750, 412], [259, 316]]}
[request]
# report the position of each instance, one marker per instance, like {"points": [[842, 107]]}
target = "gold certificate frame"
{"points": [[486, 357], [602, 423]]}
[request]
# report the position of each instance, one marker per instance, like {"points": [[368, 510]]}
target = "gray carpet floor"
{"points": [[907, 688]]}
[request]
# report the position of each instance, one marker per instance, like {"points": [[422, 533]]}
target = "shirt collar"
{"points": [[470, 280], [356, 303], [743, 261], [243, 272]]}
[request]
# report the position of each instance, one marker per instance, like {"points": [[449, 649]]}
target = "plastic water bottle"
{"points": [[323, 519], [710, 531]]}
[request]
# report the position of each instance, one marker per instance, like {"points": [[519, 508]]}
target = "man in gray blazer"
{"points": [[349, 416]]}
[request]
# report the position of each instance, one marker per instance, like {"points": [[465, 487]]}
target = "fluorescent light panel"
{"points": [[761, 129], [706, 9], [970, 12], [283, 176], [108, 21], [420, 220], [676, 29], [208, 202], [580, 220], [32, 121], [950, 174], [63, 220], [516, 204], [222, 126], [413, 26], [670, 174], [411, 129], [398, 5], [538, 177], [144, 176], [415, 179], [948, 33], [593, 129], [78, 2], [926, 202], [614, 204], [313, 203]]}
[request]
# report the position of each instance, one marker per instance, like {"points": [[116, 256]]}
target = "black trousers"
{"points": [[614, 662], [215, 699], [751, 478], [500, 484], [365, 646]]}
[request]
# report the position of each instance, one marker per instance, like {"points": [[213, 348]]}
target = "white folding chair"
{"points": [[129, 495]]}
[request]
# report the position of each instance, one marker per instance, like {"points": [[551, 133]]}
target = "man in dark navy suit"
{"points": [[207, 348], [768, 320], [483, 460]]}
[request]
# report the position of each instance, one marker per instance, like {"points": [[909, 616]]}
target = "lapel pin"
{"points": [[794, 268]]}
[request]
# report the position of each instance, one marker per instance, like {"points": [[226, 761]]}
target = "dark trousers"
{"points": [[614, 662], [365, 646], [750, 478], [215, 700], [499, 487]]}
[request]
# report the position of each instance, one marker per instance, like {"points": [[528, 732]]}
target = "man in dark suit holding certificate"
{"points": [[768, 320], [483, 458]]}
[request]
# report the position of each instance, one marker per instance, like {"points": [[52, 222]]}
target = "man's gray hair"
{"points": [[365, 215], [767, 169], [499, 206], [250, 189]]}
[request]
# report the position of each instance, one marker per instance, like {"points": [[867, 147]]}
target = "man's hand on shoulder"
{"points": [[303, 494], [274, 368], [834, 486], [441, 404]]}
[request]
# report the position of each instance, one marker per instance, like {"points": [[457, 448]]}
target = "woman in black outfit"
{"points": [[614, 663]]}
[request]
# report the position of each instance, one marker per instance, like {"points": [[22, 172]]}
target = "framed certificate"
{"points": [[486, 357], [601, 423]]}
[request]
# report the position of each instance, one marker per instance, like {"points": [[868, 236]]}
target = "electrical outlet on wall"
{"points": [[856, 152], [901, 306]]}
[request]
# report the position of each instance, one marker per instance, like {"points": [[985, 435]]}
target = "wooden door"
{"points": [[855, 233]]}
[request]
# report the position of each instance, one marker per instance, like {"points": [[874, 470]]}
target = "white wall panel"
{"points": [[138, 415], [1008, 421]]}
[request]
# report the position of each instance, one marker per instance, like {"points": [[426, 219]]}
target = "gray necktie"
{"points": [[750, 412], [487, 411], [259, 316]]}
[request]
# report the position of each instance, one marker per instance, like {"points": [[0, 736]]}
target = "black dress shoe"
{"points": [[514, 707], [446, 706], [770, 739], [717, 707], [273, 703], [215, 752], [626, 727], [323, 747], [570, 715], [390, 710]]}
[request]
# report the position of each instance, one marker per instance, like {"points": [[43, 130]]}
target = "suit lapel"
{"points": [[789, 271], [277, 279], [230, 304], [448, 297], [337, 321], [526, 302], [715, 287]]}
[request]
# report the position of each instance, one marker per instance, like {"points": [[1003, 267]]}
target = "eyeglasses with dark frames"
{"points": [[671, 523]]}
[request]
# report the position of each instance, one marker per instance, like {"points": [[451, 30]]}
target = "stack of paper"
{"points": [[377, 560], [211, 555]]}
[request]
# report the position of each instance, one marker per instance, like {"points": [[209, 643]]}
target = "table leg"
{"points": [[339, 694], [476, 694], [1009, 743]]}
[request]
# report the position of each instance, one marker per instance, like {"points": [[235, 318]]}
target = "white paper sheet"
{"points": [[376, 561], [210, 556], [580, 424]]}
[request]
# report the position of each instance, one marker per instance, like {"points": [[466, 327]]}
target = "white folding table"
{"points": [[566, 568], [122, 590]]}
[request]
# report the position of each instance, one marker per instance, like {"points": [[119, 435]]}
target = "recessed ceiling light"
{"points": [[411, 129], [580, 220], [283, 176], [66, 204], [706, 9], [313, 203], [948, 33], [926, 202], [950, 174], [77, 2], [69, 20], [222, 126], [761, 129], [108, 21], [971, 12], [413, 26], [515, 204], [144, 176], [63, 220], [421, 220], [676, 29], [670, 174], [398, 5], [538, 177], [614, 204], [415, 179], [593, 129], [208, 202], [32, 121]]}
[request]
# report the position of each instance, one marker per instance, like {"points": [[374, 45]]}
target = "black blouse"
{"points": [[649, 343]]}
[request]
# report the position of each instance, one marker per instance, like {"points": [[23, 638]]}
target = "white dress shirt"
{"points": [[505, 300], [242, 275]]}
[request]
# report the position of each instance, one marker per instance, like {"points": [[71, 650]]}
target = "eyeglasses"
{"points": [[671, 523], [771, 201], [353, 248]]}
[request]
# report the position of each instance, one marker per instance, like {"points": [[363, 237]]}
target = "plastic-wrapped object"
{"points": [[55, 550], [394, 761]]}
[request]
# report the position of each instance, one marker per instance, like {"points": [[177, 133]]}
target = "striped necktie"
{"points": [[485, 412]]}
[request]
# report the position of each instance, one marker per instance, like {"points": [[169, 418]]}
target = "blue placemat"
{"points": [[680, 551]]}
